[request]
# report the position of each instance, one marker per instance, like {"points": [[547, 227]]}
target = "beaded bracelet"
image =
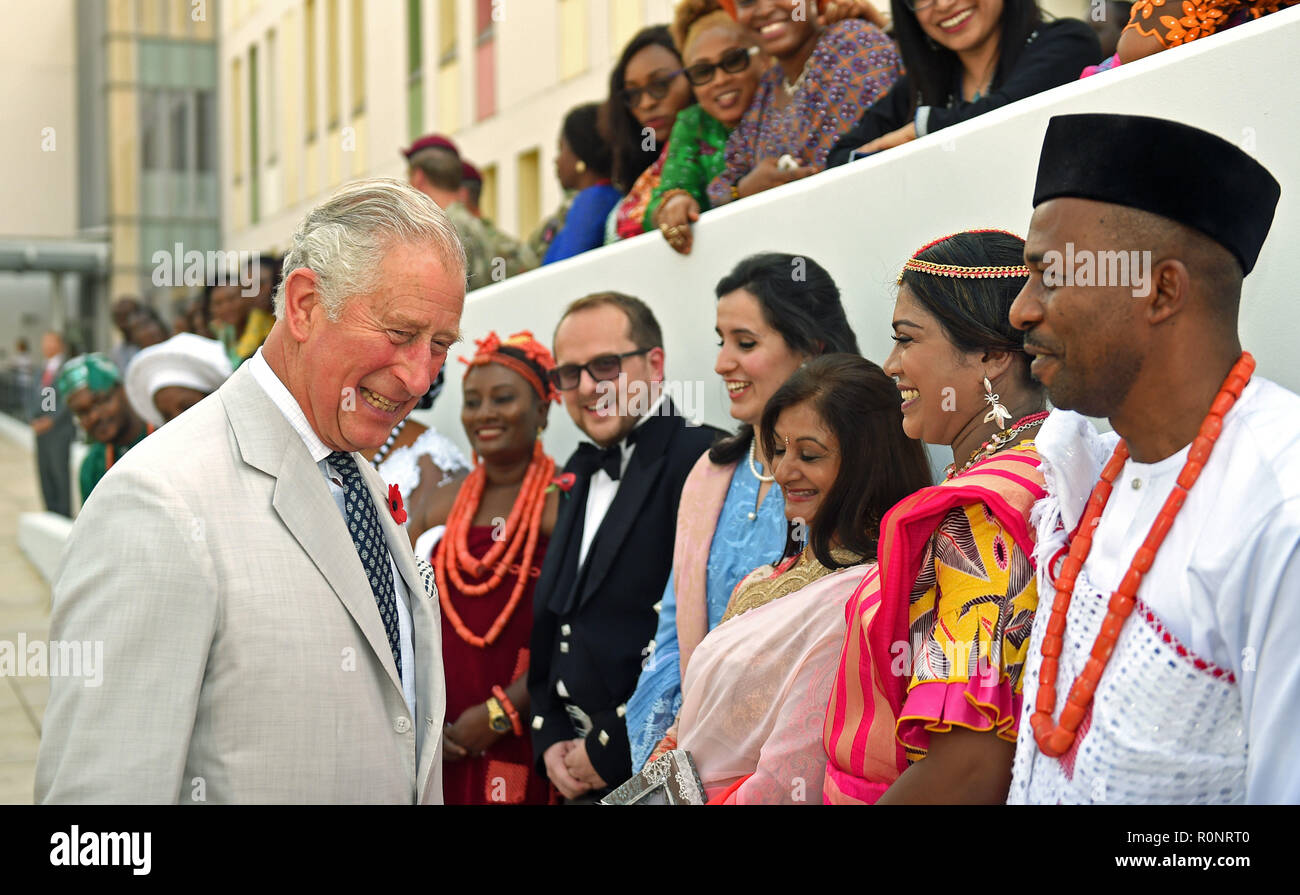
{"points": [[509, 707]]}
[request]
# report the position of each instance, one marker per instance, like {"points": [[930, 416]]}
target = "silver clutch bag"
{"points": [[671, 779]]}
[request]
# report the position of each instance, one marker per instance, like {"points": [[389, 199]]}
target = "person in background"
{"points": [[582, 165], [1151, 29], [91, 386], [926, 700], [730, 519], [54, 429], [721, 66], [497, 522], [422, 463], [964, 59], [518, 256], [229, 314], [146, 328], [169, 378], [434, 168], [199, 314], [610, 554], [647, 90], [823, 78], [755, 682], [123, 312]]}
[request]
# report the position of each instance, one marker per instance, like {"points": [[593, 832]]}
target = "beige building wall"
{"points": [[38, 115], [550, 56]]}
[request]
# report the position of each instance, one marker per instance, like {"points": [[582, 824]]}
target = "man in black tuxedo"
{"points": [[611, 553]]}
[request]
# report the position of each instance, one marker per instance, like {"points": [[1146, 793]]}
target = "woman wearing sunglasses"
{"points": [[647, 90], [965, 58], [721, 66], [823, 78]]}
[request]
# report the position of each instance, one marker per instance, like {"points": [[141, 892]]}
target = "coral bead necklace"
{"points": [[453, 560], [1056, 738]]}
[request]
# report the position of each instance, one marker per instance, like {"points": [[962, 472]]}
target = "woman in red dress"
{"points": [[497, 523]]}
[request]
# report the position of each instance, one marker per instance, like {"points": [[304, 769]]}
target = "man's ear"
{"points": [[301, 301], [656, 359], [1168, 291]]}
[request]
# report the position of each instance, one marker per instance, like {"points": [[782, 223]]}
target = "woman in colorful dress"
{"points": [[1151, 28], [926, 703], [721, 65], [755, 688], [497, 527], [823, 78], [731, 516]]}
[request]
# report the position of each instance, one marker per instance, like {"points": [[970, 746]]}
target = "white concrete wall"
{"points": [[863, 221], [38, 193]]}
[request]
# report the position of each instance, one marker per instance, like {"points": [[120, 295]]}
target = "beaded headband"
{"points": [[956, 270], [489, 352]]}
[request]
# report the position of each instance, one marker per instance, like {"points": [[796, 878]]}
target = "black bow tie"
{"points": [[590, 458]]}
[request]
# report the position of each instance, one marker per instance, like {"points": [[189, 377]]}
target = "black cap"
{"points": [[1166, 168]]}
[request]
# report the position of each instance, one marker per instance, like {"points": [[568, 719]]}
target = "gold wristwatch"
{"points": [[497, 718]]}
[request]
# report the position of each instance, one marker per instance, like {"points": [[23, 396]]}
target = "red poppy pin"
{"points": [[564, 481], [395, 504]]}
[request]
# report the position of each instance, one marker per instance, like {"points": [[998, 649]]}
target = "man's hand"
{"points": [[42, 424], [766, 175], [555, 758], [580, 767], [905, 134], [674, 219]]}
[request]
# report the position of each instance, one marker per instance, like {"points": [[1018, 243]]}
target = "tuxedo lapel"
{"points": [[302, 500], [637, 482], [555, 587]]}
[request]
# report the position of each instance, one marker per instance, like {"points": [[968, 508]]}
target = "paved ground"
{"points": [[24, 607]]}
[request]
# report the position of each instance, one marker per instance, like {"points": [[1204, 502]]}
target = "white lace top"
{"points": [[402, 466], [1198, 702]]}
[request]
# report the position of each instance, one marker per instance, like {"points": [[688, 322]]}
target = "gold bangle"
{"points": [[735, 191]]}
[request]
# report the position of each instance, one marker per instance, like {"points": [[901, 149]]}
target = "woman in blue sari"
{"points": [[731, 517]]}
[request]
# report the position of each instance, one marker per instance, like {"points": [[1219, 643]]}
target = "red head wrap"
{"points": [[488, 351]]}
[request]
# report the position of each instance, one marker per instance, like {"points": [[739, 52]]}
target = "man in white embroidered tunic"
{"points": [[1176, 680]]}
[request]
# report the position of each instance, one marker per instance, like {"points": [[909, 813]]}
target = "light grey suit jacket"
{"points": [[244, 658]]}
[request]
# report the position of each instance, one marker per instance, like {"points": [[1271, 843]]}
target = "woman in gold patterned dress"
{"points": [[755, 691]]}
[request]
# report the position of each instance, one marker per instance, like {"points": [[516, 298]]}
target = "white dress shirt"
{"points": [[602, 489], [288, 405]]}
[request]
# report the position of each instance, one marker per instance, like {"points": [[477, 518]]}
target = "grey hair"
{"points": [[344, 239]]}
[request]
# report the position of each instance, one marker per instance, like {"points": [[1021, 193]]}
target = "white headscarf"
{"points": [[184, 360]]}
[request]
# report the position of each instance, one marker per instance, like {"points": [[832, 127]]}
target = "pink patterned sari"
{"points": [[871, 686]]}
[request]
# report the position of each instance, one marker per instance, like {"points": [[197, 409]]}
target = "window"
{"points": [[334, 72], [253, 164], [446, 31], [309, 78], [358, 34], [414, 69], [624, 22], [272, 97], [485, 62], [205, 130], [573, 38], [179, 130], [529, 197]]}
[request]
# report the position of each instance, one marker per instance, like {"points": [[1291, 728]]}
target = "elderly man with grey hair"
{"points": [[251, 623]]}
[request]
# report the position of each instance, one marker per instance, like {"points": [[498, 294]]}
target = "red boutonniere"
{"points": [[395, 505], [564, 481]]}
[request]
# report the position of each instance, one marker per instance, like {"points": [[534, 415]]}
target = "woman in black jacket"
{"points": [[964, 58]]}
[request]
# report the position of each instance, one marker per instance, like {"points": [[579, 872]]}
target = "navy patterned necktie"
{"points": [[372, 547]]}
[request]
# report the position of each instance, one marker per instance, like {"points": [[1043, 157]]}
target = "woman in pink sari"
{"points": [[926, 704], [755, 688]]}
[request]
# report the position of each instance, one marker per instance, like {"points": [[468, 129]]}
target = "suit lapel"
{"points": [[636, 484], [560, 568], [302, 500]]}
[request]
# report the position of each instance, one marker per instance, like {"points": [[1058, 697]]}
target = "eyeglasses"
{"points": [[601, 369], [918, 5], [658, 89], [732, 61]]}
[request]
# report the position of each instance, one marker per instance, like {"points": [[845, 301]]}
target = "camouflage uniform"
{"points": [[540, 241], [478, 245], [518, 257]]}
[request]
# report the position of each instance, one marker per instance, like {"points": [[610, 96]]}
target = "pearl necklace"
{"points": [[753, 468], [388, 445]]}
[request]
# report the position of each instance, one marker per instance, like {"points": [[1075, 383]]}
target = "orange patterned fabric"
{"points": [[1176, 22]]}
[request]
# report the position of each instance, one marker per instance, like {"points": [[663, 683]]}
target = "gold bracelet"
{"points": [[664, 199]]}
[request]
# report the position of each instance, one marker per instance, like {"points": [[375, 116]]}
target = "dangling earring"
{"points": [[580, 167], [999, 411], [540, 430]]}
